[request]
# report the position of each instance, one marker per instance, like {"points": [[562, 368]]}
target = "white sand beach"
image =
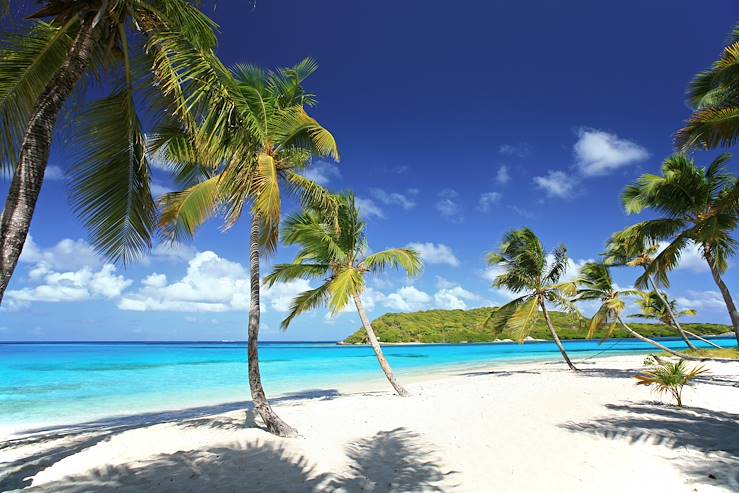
{"points": [[519, 427]]}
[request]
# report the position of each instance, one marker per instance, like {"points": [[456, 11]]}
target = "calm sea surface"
{"points": [[43, 384]]}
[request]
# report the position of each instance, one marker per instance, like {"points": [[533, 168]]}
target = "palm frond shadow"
{"points": [[265, 467], [713, 433]]}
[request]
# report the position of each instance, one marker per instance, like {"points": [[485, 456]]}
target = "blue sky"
{"points": [[456, 122]]}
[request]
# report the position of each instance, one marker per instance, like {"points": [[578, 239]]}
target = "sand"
{"points": [[513, 428]]}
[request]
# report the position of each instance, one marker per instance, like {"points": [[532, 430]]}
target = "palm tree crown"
{"points": [[714, 95], [653, 307], [242, 157], [338, 256], [526, 270], [596, 284], [699, 205]]}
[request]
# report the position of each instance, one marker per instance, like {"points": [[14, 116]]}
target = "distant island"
{"points": [[457, 326]]}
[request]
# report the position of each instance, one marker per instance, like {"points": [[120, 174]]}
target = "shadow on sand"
{"points": [[715, 434], [54, 443], [389, 461]]}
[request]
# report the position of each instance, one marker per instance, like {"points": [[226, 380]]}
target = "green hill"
{"points": [[464, 326]]}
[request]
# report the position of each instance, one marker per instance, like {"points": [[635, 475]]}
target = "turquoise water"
{"points": [[43, 384]]}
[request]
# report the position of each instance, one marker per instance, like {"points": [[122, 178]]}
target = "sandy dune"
{"points": [[524, 427]]}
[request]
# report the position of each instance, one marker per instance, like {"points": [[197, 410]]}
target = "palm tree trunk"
{"points": [[271, 420], [378, 350], [670, 312], [730, 306], [696, 336], [556, 337], [34, 156], [654, 343]]}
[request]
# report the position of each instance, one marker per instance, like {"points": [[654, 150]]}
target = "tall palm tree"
{"points": [[596, 284], [131, 45], [625, 248], [339, 257], [714, 96], [699, 206], [524, 261], [244, 157]]}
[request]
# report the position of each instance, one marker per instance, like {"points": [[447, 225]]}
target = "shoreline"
{"points": [[462, 430], [368, 382]]}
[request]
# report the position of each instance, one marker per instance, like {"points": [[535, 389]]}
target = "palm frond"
{"points": [[405, 258], [307, 301], [343, 286], [185, 211], [290, 272]]}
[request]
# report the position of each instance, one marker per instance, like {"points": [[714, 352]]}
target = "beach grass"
{"points": [[726, 353]]}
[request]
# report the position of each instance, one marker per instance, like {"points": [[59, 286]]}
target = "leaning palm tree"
{"points": [[656, 306], [244, 157], [625, 248], [133, 47], [596, 284], [524, 261], [339, 257], [714, 96], [699, 206]]}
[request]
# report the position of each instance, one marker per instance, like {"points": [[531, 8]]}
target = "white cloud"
{"points": [[702, 300], [211, 284], [487, 199], [407, 299], [502, 176], [453, 298], [368, 208], [54, 173], [393, 198], [68, 255], [65, 286], [556, 184], [573, 267], [435, 253], [599, 153], [518, 150], [448, 205], [322, 172]]}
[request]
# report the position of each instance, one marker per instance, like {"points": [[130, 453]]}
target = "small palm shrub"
{"points": [[666, 377]]}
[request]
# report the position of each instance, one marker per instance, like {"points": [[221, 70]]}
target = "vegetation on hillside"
{"points": [[466, 326]]}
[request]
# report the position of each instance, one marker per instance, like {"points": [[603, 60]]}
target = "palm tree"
{"points": [[338, 257], [243, 158], [596, 284], [714, 96], [666, 377], [131, 44], [699, 206], [656, 306], [624, 248], [524, 261]]}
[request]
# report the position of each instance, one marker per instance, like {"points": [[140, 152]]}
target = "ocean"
{"points": [[44, 384]]}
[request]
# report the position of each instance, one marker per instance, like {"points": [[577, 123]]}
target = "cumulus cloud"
{"points": [[65, 286], [599, 153], [407, 299], [448, 206], [171, 252], [322, 172], [211, 284], [487, 200], [368, 208], [435, 253], [556, 184], [502, 176], [453, 298], [66, 255], [395, 198]]}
